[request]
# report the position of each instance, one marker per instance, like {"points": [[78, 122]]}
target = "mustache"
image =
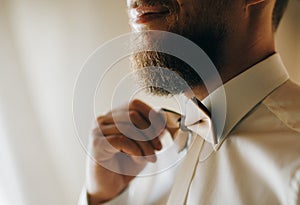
{"points": [[171, 4]]}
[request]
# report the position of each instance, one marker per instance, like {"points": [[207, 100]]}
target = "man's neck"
{"points": [[239, 57]]}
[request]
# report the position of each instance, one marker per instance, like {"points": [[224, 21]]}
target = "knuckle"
{"points": [[135, 102], [100, 119], [100, 127], [96, 142], [113, 141], [146, 148], [120, 140], [95, 132], [133, 114]]}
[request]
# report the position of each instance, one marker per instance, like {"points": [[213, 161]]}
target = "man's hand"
{"points": [[123, 142]]}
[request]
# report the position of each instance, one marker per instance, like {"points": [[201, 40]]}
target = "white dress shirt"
{"points": [[255, 160]]}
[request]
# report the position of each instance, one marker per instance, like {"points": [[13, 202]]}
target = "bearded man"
{"points": [[256, 157]]}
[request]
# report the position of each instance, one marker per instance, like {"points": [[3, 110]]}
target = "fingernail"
{"points": [[158, 145], [151, 158]]}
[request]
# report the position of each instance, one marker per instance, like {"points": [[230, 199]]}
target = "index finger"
{"points": [[145, 110]]}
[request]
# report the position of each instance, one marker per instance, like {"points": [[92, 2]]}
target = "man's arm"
{"points": [[119, 146]]}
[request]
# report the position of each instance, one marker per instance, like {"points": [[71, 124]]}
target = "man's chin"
{"points": [[162, 74], [161, 81]]}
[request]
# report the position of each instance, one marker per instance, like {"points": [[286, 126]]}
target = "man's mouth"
{"points": [[146, 14]]}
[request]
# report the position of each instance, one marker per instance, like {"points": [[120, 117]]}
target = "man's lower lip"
{"points": [[147, 18]]}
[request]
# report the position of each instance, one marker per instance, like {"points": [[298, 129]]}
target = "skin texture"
{"points": [[248, 38], [103, 184]]}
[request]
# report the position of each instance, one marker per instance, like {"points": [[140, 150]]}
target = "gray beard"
{"points": [[164, 75]]}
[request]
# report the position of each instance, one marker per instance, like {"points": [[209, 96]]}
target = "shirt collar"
{"points": [[242, 94]]}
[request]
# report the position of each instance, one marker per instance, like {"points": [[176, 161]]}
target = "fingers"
{"points": [[121, 128], [133, 131], [113, 144], [137, 105], [143, 108], [148, 121], [110, 140], [128, 145], [154, 118], [149, 115], [125, 145], [130, 132], [130, 123], [150, 130]]}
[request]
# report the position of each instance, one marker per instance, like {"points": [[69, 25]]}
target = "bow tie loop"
{"points": [[196, 118]]}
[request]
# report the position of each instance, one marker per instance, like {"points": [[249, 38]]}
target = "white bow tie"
{"points": [[196, 118]]}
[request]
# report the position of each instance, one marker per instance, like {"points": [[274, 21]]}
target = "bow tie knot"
{"points": [[196, 118]]}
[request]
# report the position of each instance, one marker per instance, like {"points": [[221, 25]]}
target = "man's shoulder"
{"points": [[284, 102]]}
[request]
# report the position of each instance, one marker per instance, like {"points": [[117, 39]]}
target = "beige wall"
{"points": [[288, 39]]}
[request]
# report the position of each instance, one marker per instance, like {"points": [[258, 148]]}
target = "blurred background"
{"points": [[44, 43]]}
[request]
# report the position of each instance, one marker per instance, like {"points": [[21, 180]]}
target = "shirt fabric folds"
{"points": [[256, 159]]}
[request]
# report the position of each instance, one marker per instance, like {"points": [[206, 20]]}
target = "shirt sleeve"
{"points": [[83, 200], [120, 199], [295, 189]]}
